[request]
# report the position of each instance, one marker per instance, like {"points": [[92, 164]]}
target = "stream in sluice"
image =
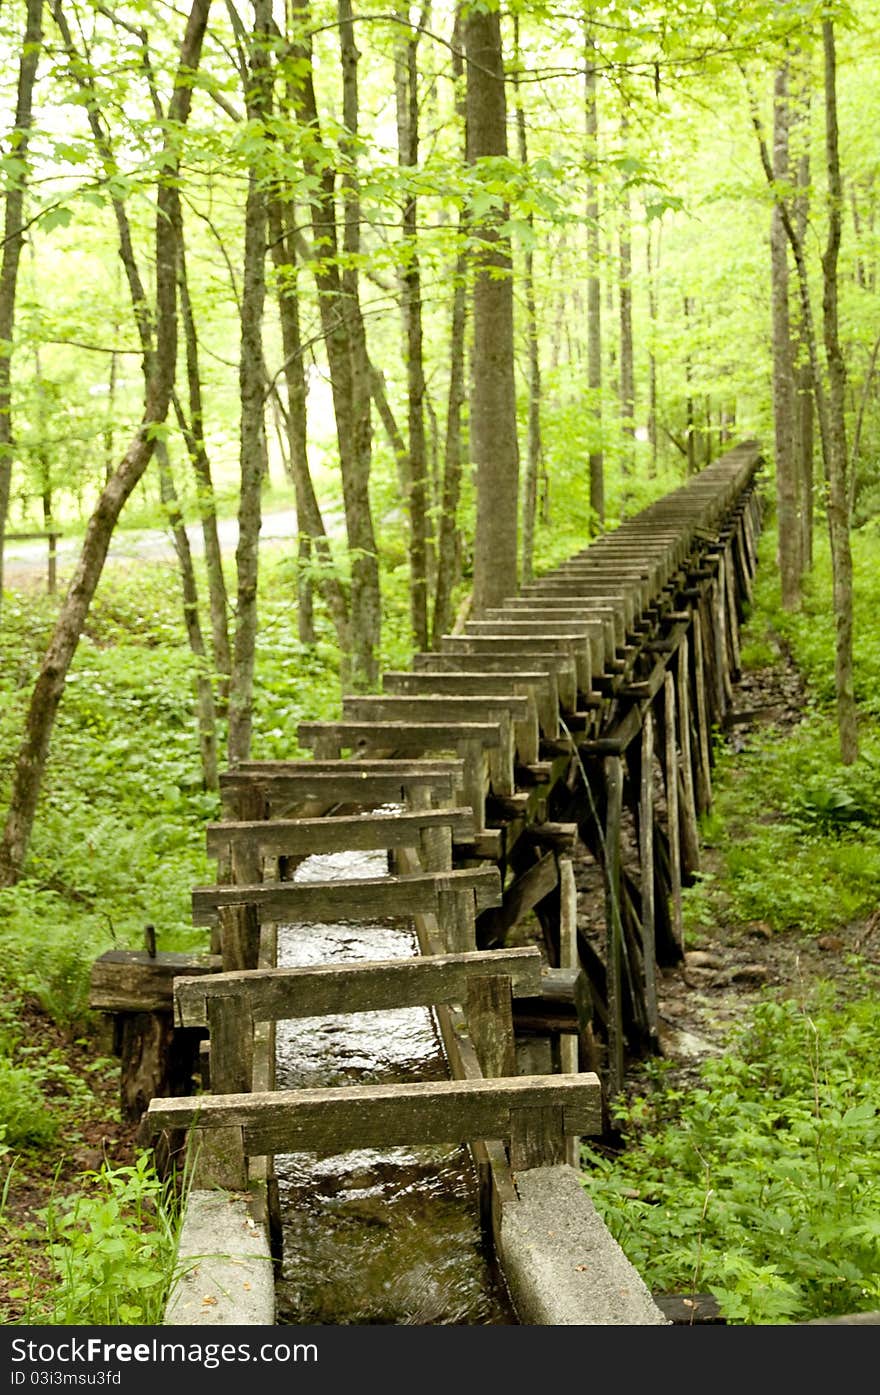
{"points": [[390, 1235]]}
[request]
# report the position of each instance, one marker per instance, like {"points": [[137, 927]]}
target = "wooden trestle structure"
{"points": [[582, 707]]}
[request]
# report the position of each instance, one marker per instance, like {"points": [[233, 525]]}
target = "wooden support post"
{"points": [[613, 922], [239, 925], [456, 917], [732, 621], [219, 1159], [646, 858], [725, 689], [490, 1023], [672, 807], [690, 834], [704, 764], [232, 1044], [568, 959], [537, 1138], [475, 781]]}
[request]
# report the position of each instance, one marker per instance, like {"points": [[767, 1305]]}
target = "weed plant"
{"points": [[113, 1250], [762, 1185]]}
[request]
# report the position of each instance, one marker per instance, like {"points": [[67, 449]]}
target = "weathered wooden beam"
{"points": [[521, 897], [130, 980], [398, 736], [328, 1121], [356, 898], [304, 837], [613, 921], [277, 995], [646, 860]]}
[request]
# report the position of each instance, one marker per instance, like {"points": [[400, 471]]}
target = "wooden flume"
{"points": [[582, 707]]}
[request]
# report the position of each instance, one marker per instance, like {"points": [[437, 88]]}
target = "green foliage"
{"points": [[761, 1185], [113, 1249], [797, 831]]}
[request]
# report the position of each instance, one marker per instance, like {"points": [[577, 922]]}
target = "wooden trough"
{"points": [[579, 710]]}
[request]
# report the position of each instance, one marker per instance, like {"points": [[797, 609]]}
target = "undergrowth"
{"points": [[762, 1185]]}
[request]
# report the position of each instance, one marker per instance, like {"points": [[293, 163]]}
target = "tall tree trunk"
{"points": [[344, 339], [494, 447], [194, 437], [366, 606], [690, 428], [788, 549], [804, 408], [838, 458], [651, 268], [204, 692], [594, 284], [533, 448], [49, 686], [313, 540], [625, 310], [830, 404], [406, 89], [13, 241], [251, 380], [448, 537]]}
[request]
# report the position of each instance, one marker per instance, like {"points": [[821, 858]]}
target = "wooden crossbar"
{"points": [[341, 833], [350, 899], [327, 1121], [276, 995]]}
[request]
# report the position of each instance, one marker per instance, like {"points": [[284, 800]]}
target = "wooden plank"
{"points": [[130, 980], [303, 837], [625, 599], [586, 642], [691, 836], [613, 922], [281, 995], [646, 860], [538, 690], [440, 707], [538, 1137], [231, 1027], [327, 1121], [353, 782], [489, 1014], [672, 808], [522, 896], [399, 736], [704, 764], [357, 898], [568, 959], [470, 657], [611, 617]]}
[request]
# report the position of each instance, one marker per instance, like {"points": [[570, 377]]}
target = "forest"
{"points": [[457, 287]]}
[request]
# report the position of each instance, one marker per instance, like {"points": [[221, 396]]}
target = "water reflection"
{"points": [[374, 1236]]}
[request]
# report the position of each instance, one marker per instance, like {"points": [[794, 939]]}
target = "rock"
{"points": [[749, 973], [702, 959], [760, 930], [832, 944]]}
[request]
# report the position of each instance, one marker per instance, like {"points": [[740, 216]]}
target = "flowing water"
{"points": [[376, 1235]]}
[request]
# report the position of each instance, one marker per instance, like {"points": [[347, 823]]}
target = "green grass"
{"points": [[797, 832], [762, 1184]]}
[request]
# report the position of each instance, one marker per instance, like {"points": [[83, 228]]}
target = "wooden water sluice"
{"points": [[581, 708]]}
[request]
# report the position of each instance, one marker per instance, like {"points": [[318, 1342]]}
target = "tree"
{"points": [[49, 686], [16, 162], [494, 446], [829, 388]]}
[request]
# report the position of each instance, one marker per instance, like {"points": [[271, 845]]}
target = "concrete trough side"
{"points": [[224, 1265], [562, 1265]]}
